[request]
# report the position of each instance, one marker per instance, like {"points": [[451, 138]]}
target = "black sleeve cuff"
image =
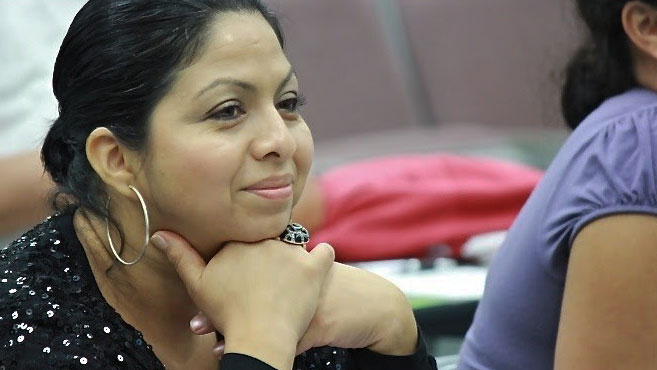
{"points": [[420, 360], [238, 361]]}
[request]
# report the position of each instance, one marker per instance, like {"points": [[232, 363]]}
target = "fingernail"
{"points": [[159, 242], [196, 324], [218, 350]]}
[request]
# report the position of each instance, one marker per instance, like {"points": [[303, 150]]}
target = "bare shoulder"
{"points": [[609, 311]]}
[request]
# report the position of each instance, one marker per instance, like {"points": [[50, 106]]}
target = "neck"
{"points": [[148, 295], [644, 69]]}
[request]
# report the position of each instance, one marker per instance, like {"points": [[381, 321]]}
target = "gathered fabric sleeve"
{"points": [[609, 170]]}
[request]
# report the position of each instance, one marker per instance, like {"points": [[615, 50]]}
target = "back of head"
{"points": [[603, 66], [118, 59]]}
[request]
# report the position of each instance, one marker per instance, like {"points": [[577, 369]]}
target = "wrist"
{"points": [[273, 347], [397, 334]]}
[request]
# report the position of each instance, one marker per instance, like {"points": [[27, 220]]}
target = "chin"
{"points": [[263, 230], [254, 230], [248, 232]]}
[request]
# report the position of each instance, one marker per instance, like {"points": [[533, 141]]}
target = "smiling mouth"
{"points": [[273, 193], [273, 188]]}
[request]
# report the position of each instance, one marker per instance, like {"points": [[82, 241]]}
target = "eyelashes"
{"points": [[227, 111], [233, 109], [292, 104]]}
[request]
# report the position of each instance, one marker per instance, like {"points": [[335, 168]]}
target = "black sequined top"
{"points": [[53, 316]]}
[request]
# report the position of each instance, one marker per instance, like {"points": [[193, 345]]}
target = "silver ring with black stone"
{"points": [[295, 234]]}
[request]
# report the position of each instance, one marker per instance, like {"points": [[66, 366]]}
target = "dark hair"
{"points": [[603, 66], [117, 61]]}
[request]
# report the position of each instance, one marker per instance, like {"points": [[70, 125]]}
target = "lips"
{"points": [[274, 188]]}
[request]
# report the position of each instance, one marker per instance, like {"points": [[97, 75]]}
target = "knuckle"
{"points": [[175, 259], [327, 250], [306, 266]]}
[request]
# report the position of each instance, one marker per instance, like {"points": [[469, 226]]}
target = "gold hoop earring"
{"points": [[146, 233]]}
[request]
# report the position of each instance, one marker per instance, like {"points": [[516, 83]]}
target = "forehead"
{"points": [[241, 29], [238, 45]]}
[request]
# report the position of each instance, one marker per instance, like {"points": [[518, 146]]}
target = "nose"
{"points": [[273, 138]]}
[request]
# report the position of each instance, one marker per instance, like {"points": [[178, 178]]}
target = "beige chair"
{"points": [[486, 72], [497, 62], [345, 66]]}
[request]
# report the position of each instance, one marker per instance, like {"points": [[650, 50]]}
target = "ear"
{"points": [[114, 163], [640, 24]]}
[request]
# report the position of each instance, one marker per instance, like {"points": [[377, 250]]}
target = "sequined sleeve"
{"points": [[420, 360], [52, 315]]}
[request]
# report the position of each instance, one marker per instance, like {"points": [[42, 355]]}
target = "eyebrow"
{"points": [[242, 84]]}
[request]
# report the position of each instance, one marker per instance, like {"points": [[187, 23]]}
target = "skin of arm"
{"points": [[24, 190], [357, 309], [609, 311]]}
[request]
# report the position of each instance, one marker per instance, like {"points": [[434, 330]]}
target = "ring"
{"points": [[295, 234]]}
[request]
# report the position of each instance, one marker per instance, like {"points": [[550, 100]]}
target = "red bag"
{"points": [[399, 207]]}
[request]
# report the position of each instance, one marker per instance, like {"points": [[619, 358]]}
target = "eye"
{"points": [[227, 111], [291, 104]]}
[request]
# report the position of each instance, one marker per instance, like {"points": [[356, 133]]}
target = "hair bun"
{"points": [[584, 87], [602, 67], [593, 75], [56, 153]]}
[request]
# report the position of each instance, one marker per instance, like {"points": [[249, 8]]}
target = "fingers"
{"points": [[201, 324], [324, 256], [218, 349], [187, 262]]}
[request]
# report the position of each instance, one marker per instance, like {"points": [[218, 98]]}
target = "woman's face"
{"points": [[228, 152]]}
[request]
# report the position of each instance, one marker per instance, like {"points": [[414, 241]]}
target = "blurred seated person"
{"points": [[30, 34]]}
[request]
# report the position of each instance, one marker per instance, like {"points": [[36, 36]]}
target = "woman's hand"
{"points": [[260, 296], [357, 309]]}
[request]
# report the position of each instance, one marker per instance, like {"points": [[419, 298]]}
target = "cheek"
{"points": [[191, 175], [303, 159], [186, 165], [305, 149]]}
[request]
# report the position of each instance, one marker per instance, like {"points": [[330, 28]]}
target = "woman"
{"points": [[182, 116], [574, 286]]}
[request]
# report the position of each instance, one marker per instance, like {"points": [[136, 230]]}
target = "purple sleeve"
{"points": [[604, 171]]}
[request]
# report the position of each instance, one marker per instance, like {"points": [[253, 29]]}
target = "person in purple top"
{"points": [[574, 285]]}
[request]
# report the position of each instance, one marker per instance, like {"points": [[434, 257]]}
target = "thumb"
{"points": [[188, 263], [323, 255]]}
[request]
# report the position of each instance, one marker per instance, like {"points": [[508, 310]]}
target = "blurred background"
{"points": [[472, 78], [429, 74]]}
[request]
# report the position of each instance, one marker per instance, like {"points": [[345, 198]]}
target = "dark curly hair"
{"points": [[118, 59], [603, 66]]}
